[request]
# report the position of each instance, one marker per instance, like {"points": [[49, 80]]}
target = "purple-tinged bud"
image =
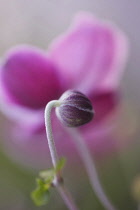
{"points": [[75, 109]]}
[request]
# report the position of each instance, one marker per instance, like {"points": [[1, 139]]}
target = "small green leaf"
{"points": [[60, 165], [47, 175], [41, 194]]}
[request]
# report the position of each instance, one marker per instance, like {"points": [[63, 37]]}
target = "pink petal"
{"points": [[30, 120], [33, 151], [102, 140], [28, 78], [100, 134], [91, 55], [104, 103]]}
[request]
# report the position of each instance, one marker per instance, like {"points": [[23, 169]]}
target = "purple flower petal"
{"points": [[28, 78], [100, 133], [104, 103], [90, 55], [27, 119]]}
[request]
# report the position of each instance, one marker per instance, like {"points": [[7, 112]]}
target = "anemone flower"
{"points": [[90, 58]]}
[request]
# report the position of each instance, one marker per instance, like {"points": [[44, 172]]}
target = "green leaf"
{"points": [[47, 175], [41, 194], [60, 165]]}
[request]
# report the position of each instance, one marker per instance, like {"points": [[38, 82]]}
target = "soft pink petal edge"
{"points": [[26, 63], [112, 80], [28, 119]]}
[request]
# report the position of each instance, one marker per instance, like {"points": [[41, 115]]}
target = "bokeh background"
{"points": [[37, 22]]}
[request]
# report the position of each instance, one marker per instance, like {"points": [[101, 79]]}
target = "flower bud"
{"points": [[75, 109]]}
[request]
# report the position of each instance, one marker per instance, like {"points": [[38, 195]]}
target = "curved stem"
{"points": [[67, 198], [49, 133], [90, 168]]}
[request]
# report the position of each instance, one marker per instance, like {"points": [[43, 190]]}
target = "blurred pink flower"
{"points": [[89, 57]]}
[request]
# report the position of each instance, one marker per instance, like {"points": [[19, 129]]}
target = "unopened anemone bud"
{"points": [[75, 109]]}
